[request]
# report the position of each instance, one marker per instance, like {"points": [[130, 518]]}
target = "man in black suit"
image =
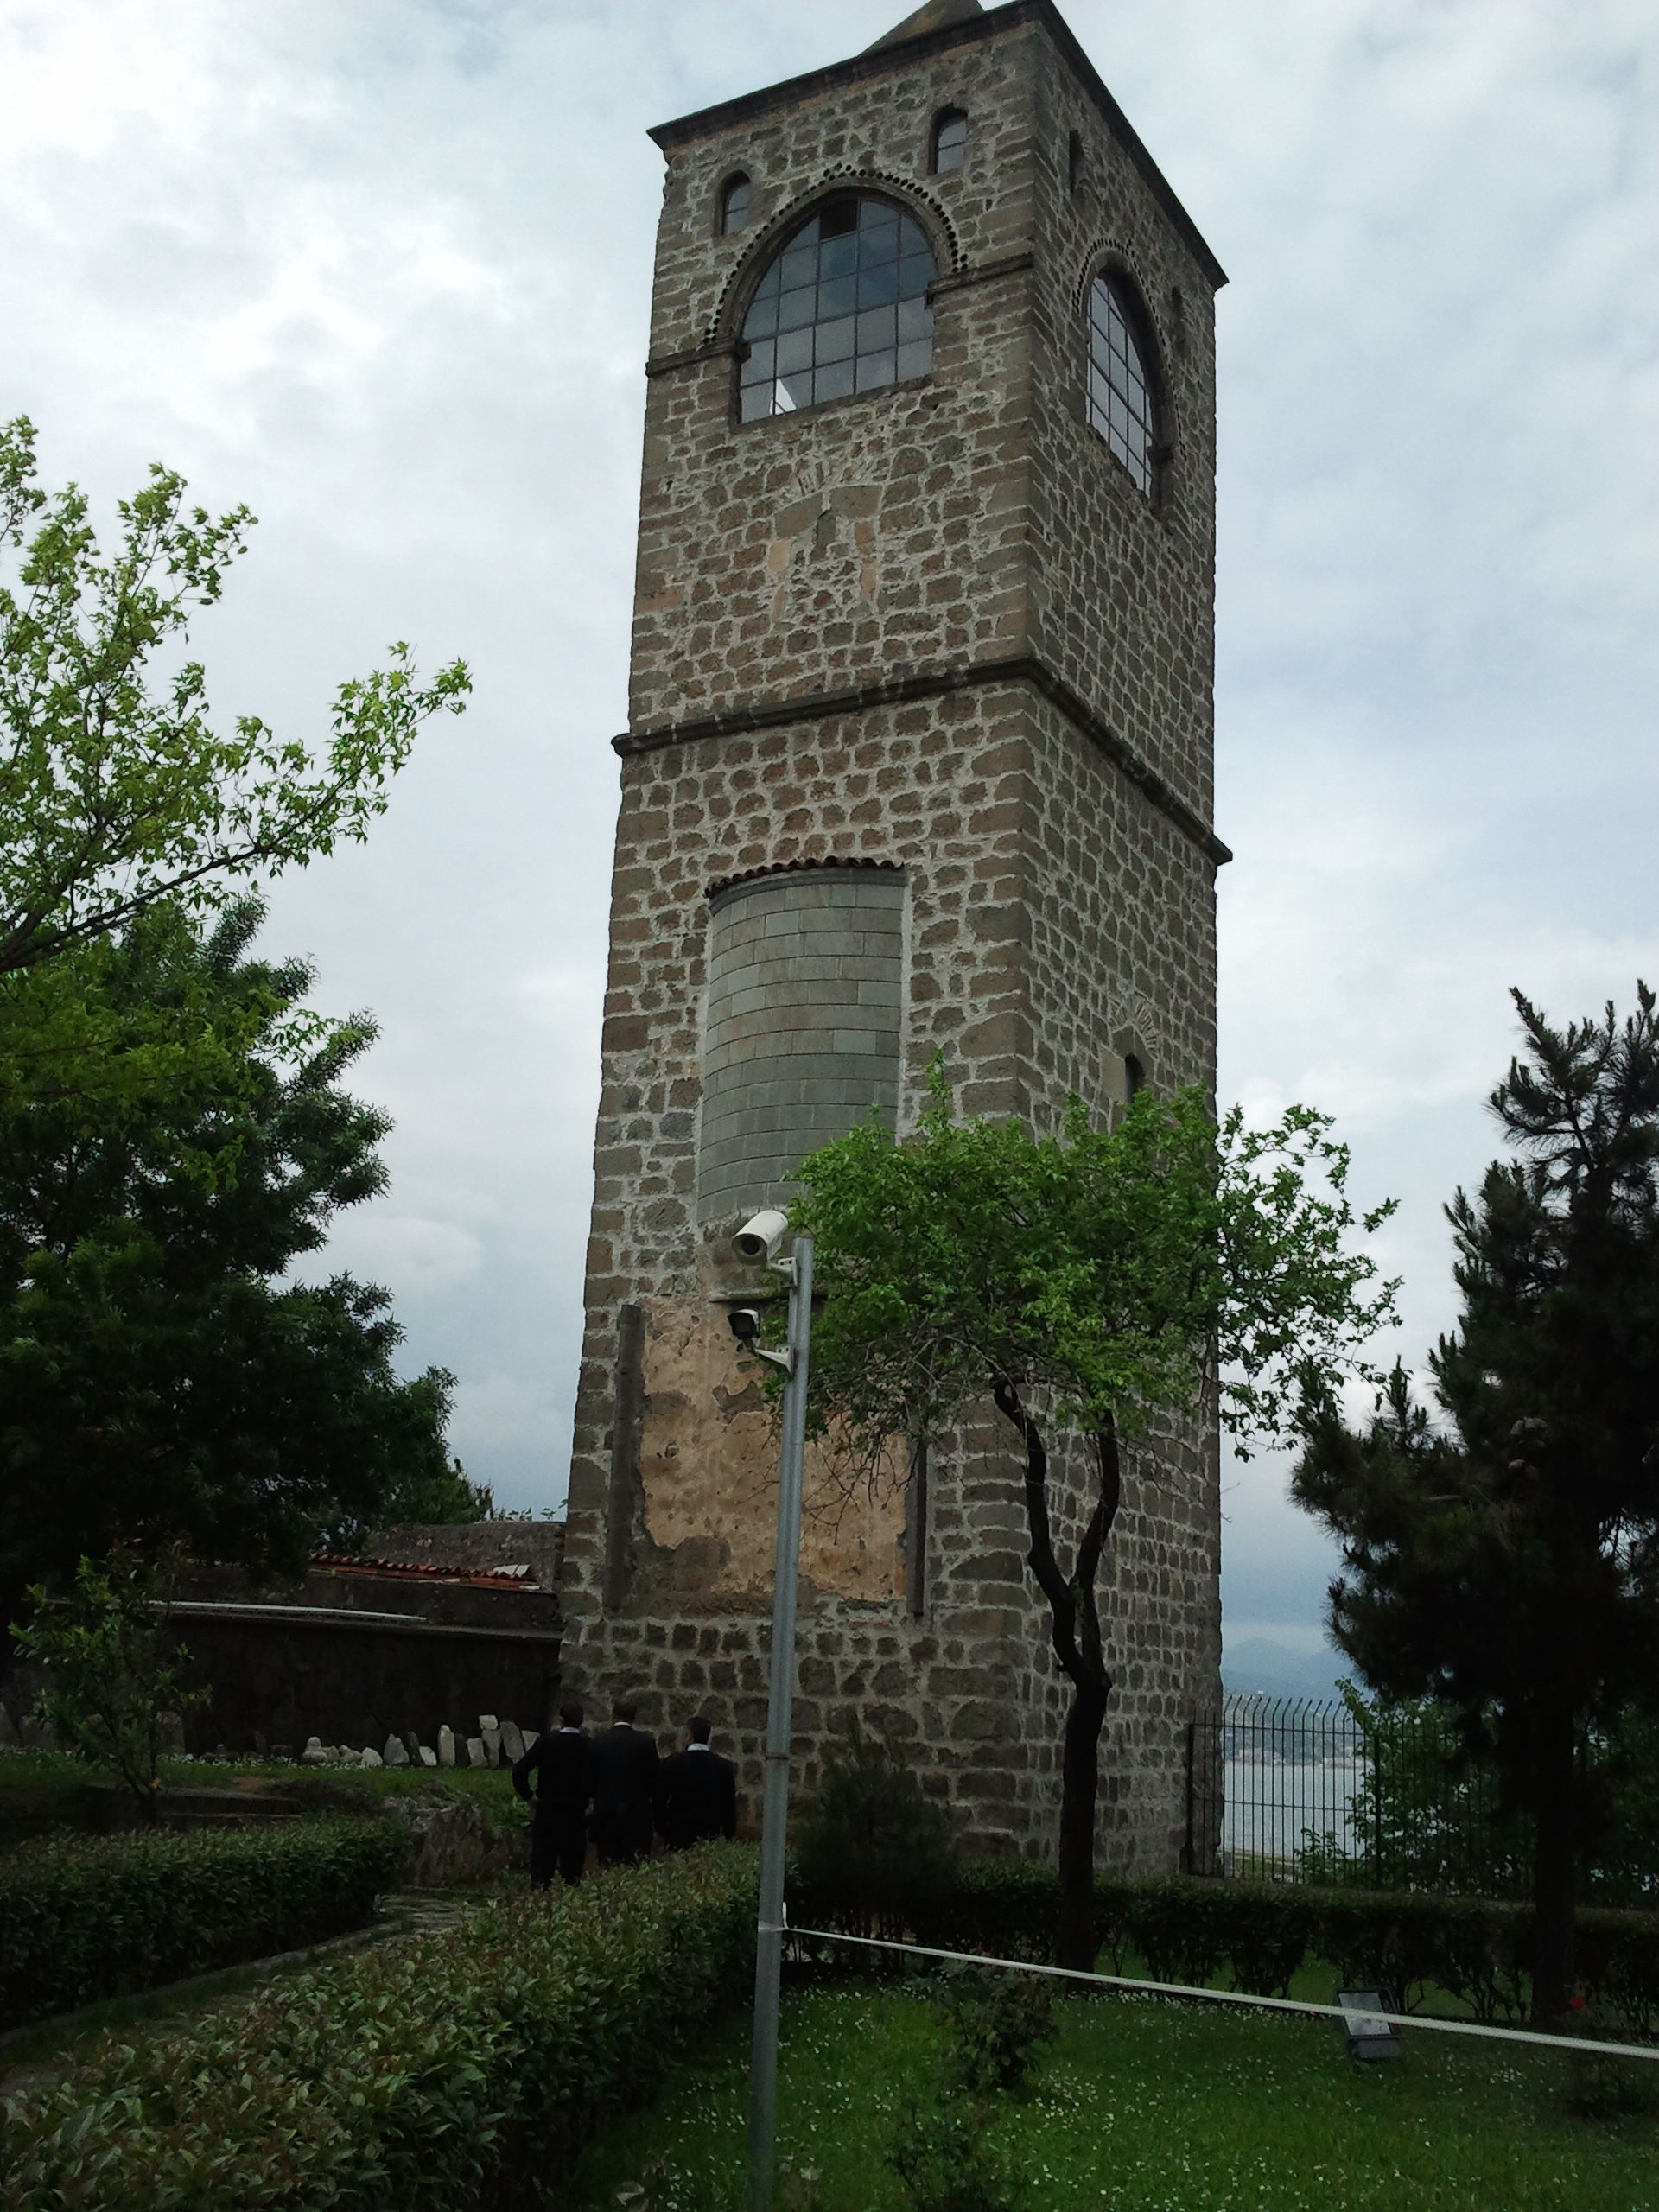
{"points": [[562, 1761], [696, 1796], [624, 1789]]}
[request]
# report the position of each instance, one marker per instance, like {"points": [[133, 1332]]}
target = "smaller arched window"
{"points": [[1135, 1076], [949, 140], [733, 204], [1121, 405]]}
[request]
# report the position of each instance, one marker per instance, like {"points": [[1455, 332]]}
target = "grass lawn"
{"points": [[1140, 2104]]}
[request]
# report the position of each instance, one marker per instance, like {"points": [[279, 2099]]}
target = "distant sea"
{"points": [[1260, 1667]]}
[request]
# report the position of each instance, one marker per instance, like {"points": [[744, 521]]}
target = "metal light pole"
{"points": [[769, 1944]]}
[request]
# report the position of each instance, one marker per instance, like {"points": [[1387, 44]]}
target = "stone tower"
{"points": [[919, 760]]}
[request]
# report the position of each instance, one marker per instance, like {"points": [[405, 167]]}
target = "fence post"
{"points": [[1188, 1853], [1376, 1801]]}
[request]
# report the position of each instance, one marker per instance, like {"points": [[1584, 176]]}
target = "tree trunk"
{"points": [[1076, 1941], [1554, 1874], [1074, 1629]]}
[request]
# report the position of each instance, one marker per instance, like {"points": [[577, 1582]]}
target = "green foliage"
{"points": [[1428, 1812], [1111, 1267], [160, 1379], [115, 790], [942, 2154], [433, 2071], [114, 1666], [995, 2024], [87, 1917], [943, 2150], [870, 1848]]}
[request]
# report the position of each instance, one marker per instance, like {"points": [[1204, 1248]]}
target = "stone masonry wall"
{"points": [[909, 551]]}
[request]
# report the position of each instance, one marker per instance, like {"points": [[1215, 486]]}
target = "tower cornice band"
{"points": [[938, 683]]}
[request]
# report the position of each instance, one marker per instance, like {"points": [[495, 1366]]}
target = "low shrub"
{"points": [[995, 2024], [457, 2067], [948, 2163], [85, 1917], [1618, 1964], [1261, 1934], [1002, 1907]]}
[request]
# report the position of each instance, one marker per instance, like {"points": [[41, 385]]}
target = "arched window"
{"points": [[1121, 402], [842, 308], [950, 140], [733, 204]]}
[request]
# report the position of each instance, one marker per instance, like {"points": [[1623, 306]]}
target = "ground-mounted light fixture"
{"points": [[1371, 2033]]}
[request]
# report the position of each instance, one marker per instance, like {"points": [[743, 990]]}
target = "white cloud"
{"points": [[405, 1251]]}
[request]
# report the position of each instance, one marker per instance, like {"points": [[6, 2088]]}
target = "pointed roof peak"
{"points": [[934, 16]]}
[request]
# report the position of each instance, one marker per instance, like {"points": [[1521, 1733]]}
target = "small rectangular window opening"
{"points": [[950, 140], [733, 206], [1074, 161]]}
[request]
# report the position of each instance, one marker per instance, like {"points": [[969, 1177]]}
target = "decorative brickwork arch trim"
{"points": [[722, 884], [724, 325]]}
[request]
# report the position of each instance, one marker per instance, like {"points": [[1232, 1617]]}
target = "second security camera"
{"points": [[745, 1324]]}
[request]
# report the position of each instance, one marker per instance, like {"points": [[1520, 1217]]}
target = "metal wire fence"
{"points": [[1279, 1789]]}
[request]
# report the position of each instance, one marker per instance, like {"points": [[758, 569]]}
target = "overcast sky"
{"points": [[381, 268]]}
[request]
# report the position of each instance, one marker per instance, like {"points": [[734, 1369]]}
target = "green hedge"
{"points": [[1257, 1935], [82, 1918], [459, 2067]]}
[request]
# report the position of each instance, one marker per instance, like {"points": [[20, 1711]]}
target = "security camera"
{"points": [[745, 1325], [761, 1235]]}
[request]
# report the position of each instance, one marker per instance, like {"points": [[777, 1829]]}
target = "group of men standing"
{"points": [[613, 1788]]}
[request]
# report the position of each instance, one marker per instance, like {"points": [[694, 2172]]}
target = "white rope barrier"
{"points": [[1231, 1996]]}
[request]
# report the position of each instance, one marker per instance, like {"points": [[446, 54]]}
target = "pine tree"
{"points": [[1507, 1562]]}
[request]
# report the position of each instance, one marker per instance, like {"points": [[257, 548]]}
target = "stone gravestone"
{"points": [[446, 1745], [512, 1742]]}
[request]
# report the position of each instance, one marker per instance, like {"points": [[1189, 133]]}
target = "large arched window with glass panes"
{"points": [[842, 308], [1122, 400]]}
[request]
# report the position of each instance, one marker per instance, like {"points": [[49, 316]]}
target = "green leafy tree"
{"points": [[115, 790], [113, 1666], [160, 1380], [1506, 1561], [1099, 1282]]}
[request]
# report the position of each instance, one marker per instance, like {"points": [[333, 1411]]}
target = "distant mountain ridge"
{"points": [[1260, 1667]]}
